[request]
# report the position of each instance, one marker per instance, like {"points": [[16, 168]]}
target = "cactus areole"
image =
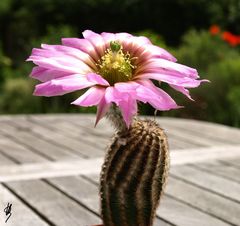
{"points": [[118, 70]]}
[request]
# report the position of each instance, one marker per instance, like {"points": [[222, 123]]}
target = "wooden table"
{"points": [[49, 167]]}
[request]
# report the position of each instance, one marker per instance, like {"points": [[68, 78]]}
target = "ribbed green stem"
{"points": [[134, 174]]}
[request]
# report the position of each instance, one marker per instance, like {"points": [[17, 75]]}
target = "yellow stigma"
{"points": [[115, 66]]}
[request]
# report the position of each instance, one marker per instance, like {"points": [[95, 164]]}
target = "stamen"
{"points": [[116, 66]]}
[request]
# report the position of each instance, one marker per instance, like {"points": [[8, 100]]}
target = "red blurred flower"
{"points": [[214, 29], [232, 39]]}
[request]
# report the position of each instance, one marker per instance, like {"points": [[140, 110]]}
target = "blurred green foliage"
{"points": [[200, 50], [17, 98], [180, 26], [218, 62]]}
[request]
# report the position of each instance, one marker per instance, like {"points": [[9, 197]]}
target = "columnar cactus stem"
{"points": [[134, 174]]}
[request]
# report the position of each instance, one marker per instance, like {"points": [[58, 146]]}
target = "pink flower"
{"points": [[117, 68]]}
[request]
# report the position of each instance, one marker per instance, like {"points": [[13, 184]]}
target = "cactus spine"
{"points": [[134, 174]]}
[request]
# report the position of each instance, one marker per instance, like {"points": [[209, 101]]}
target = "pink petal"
{"points": [[124, 94], [96, 40], [103, 108], [128, 108], [93, 77], [82, 44], [66, 50], [108, 37], [67, 64], [155, 96], [59, 51], [44, 74], [159, 52], [111, 95], [127, 87], [60, 86], [133, 44], [171, 79], [70, 51], [124, 99], [144, 91], [94, 96], [166, 66], [90, 98], [122, 36], [121, 91], [148, 51], [79, 43], [182, 90], [141, 40]]}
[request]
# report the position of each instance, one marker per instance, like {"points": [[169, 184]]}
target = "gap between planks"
{"points": [[92, 166]]}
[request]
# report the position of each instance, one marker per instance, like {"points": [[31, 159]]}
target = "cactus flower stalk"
{"points": [[117, 70]]}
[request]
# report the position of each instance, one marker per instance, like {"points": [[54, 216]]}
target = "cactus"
{"points": [[134, 174]]}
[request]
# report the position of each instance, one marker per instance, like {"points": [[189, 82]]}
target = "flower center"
{"points": [[115, 66]]}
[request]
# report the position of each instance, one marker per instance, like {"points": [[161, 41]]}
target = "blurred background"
{"points": [[204, 34]]}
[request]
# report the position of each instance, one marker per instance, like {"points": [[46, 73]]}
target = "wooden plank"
{"points": [[235, 162], [182, 135], [54, 117], [105, 125], [77, 131], [18, 152], [94, 177], [80, 133], [205, 180], [85, 192], [218, 132], [59, 209], [5, 161], [71, 130], [4, 118], [184, 126], [93, 166], [186, 138], [171, 124], [21, 214], [81, 119], [49, 169], [174, 143], [207, 129], [178, 213], [206, 201], [219, 168], [89, 121], [195, 155], [60, 137], [181, 214], [80, 189], [35, 143], [191, 137]]}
